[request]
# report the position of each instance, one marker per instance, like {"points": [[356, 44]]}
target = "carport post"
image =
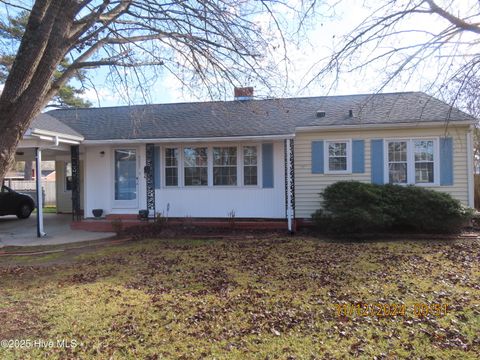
{"points": [[38, 179]]}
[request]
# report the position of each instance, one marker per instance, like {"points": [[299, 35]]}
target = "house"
{"points": [[252, 158]]}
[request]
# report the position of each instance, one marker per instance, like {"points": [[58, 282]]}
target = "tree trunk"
{"points": [[8, 145], [43, 46]]}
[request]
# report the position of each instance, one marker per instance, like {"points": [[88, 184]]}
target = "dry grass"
{"points": [[271, 298]]}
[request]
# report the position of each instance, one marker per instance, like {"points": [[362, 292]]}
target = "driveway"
{"points": [[15, 232]]}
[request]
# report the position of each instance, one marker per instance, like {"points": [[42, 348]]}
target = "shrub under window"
{"points": [[354, 207]]}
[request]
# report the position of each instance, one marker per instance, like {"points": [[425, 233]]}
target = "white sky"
{"points": [[322, 38]]}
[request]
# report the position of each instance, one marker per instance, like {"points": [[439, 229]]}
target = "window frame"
{"points": [[237, 158], [411, 160], [326, 156], [208, 166], [210, 146], [164, 166], [242, 165], [388, 162]]}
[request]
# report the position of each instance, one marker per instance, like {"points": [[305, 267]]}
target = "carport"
{"points": [[46, 139]]}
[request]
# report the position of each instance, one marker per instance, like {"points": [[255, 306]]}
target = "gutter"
{"points": [[56, 140], [41, 132], [301, 129], [197, 139]]}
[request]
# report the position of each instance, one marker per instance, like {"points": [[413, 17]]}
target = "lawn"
{"points": [[48, 210], [265, 298]]}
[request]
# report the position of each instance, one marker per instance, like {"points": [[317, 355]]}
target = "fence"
{"points": [[28, 187]]}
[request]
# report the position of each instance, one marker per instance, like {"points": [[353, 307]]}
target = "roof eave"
{"points": [[36, 131], [189, 139], [382, 126]]}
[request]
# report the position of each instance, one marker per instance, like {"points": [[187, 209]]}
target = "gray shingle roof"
{"points": [[254, 117], [49, 123]]}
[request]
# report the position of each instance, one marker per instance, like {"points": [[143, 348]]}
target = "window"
{"points": [[225, 165], [412, 161], [68, 176], [338, 156], [250, 165], [397, 162], [171, 167], [424, 163], [196, 166], [125, 174]]}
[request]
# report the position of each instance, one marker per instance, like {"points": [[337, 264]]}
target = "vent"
{"points": [[321, 114]]}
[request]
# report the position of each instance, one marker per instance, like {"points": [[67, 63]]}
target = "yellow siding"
{"points": [[308, 185]]}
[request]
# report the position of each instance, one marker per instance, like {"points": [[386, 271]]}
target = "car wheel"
{"points": [[24, 211]]}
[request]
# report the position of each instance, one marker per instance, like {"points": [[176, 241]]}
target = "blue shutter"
{"points": [[156, 167], [267, 165], [446, 161], [317, 157], [358, 156], [376, 151]]}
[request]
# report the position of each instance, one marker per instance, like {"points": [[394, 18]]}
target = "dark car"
{"points": [[14, 203]]}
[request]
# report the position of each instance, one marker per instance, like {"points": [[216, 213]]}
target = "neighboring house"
{"points": [[257, 158]]}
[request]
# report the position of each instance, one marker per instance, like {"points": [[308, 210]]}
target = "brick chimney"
{"points": [[243, 93]]}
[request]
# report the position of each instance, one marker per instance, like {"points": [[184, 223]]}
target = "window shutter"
{"points": [[446, 161], [156, 166], [358, 156], [376, 151], [267, 165], [317, 157]]}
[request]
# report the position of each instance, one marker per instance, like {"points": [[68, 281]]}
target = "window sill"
{"points": [[416, 184], [343, 172], [212, 187], [426, 184]]}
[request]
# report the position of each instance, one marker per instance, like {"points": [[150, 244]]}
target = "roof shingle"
{"points": [[254, 117]]}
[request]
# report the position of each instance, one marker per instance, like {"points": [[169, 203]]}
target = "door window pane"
{"points": [[125, 174]]}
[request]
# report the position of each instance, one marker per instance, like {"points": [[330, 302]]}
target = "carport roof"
{"points": [[46, 122]]}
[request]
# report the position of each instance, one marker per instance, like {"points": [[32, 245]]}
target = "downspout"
{"points": [[470, 177], [38, 180], [289, 186]]}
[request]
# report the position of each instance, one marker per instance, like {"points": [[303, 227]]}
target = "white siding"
{"points": [[99, 179], [217, 201], [64, 197], [308, 186], [211, 201]]}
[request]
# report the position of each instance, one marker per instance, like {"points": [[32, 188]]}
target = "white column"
{"points": [[38, 178], [289, 184]]}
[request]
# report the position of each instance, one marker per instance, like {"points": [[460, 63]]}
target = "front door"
{"points": [[125, 179]]}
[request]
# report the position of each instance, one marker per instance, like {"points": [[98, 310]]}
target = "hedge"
{"points": [[355, 207]]}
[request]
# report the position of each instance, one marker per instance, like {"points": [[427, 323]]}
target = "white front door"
{"points": [[125, 178]]}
